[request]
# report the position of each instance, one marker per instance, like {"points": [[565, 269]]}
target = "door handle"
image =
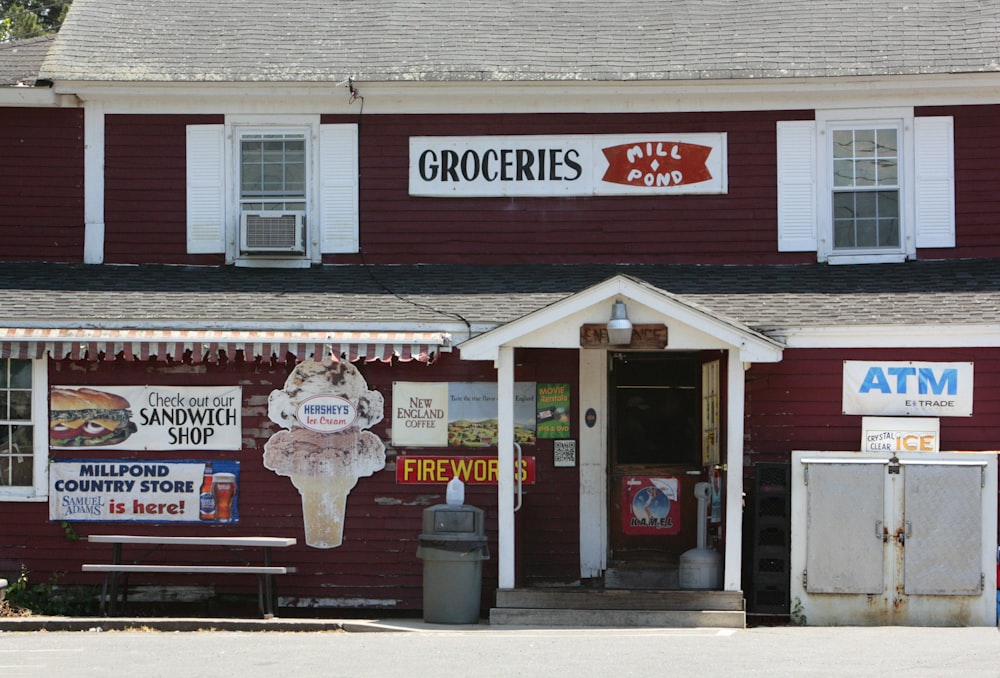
{"points": [[517, 474]]}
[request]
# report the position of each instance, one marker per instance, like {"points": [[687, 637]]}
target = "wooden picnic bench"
{"points": [[117, 571]]}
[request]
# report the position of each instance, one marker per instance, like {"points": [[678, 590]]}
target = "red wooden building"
{"points": [[197, 200]]}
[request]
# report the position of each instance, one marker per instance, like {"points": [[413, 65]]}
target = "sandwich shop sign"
{"points": [[145, 417], [571, 165], [907, 389]]}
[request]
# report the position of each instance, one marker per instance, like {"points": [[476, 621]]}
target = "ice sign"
{"points": [[326, 413]]}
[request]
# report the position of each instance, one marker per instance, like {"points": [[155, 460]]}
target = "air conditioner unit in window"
{"points": [[272, 232]]}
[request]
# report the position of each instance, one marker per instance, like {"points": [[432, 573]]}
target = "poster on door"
{"points": [[651, 505]]}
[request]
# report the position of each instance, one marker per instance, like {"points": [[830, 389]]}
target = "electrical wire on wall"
{"points": [[355, 95]]}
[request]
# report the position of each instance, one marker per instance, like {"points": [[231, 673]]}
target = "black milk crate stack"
{"points": [[771, 539]]}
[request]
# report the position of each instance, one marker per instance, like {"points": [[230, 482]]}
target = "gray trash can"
{"points": [[453, 547]]}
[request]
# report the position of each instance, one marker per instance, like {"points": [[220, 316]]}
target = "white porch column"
{"points": [[734, 473], [505, 465]]}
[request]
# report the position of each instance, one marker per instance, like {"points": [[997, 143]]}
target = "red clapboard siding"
{"points": [[145, 196], [736, 227], [41, 165], [377, 565], [797, 404]]}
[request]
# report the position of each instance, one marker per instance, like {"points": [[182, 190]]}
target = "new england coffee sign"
{"points": [[576, 165]]}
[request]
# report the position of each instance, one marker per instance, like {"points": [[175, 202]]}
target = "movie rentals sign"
{"points": [[575, 165], [145, 417], [907, 389]]}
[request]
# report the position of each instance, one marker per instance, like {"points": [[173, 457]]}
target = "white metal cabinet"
{"points": [[909, 541]]}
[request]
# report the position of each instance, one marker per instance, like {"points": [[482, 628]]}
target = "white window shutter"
{"points": [[933, 141], [338, 199], [206, 189], [797, 171]]}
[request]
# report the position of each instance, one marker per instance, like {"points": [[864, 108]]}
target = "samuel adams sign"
{"points": [[647, 164]]}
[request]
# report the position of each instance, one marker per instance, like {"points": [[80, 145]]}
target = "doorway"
{"points": [[655, 457]]}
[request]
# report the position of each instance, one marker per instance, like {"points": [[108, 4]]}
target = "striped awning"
{"points": [[207, 345]]}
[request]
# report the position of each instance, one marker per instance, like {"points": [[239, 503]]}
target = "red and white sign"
{"points": [[578, 165]]}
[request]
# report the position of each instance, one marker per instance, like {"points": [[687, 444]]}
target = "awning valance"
{"points": [[206, 345]]}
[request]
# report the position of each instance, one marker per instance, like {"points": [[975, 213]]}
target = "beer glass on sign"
{"points": [[224, 490]]}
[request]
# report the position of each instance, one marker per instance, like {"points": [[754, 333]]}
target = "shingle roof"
{"points": [[768, 299], [21, 60], [521, 40]]}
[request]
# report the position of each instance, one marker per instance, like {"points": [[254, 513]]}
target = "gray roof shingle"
{"points": [[768, 299], [21, 60], [520, 40]]}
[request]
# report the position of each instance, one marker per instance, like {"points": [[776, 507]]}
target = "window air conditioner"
{"points": [[272, 232]]}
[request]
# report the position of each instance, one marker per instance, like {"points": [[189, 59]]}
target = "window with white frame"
{"points": [[272, 191], [865, 186], [23, 452]]}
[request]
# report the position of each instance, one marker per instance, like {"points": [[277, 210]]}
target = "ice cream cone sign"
{"points": [[325, 408]]}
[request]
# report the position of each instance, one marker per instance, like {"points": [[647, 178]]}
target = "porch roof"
{"points": [[776, 302]]}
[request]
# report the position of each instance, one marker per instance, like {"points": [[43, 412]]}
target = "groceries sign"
{"points": [[908, 389], [639, 164]]}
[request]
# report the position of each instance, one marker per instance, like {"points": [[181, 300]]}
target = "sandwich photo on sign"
{"points": [[86, 417]]}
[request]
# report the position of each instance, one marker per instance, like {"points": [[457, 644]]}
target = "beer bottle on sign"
{"points": [[206, 503]]}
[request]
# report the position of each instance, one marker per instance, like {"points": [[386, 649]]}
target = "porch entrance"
{"points": [[659, 421]]}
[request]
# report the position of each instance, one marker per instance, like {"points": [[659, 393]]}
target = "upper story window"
{"points": [[865, 186], [865, 189], [23, 457], [272, 191]]}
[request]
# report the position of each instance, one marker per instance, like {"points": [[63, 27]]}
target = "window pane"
{"points": [[867, 231], [20, 405], [274, 151], [274, 178], [864, 173], [864, 143], [888, 233], [888, 173], [843, 172], [865, 205], [888, 204], [251, 151], [843, 143], [252, 181], [843, 234], [843, 206], [21, 472], [20, 374], [887, 145]]}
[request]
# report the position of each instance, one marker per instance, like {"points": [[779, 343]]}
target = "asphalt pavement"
{"points": [[384, 648]]}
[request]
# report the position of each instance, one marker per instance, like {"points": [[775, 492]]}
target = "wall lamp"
{"points": [[619, 326]]}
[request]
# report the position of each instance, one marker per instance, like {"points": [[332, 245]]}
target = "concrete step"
{"points": [[617, 618], [579, 598]]}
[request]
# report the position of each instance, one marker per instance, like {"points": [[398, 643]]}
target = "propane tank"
{"points": [[701, 567]]}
